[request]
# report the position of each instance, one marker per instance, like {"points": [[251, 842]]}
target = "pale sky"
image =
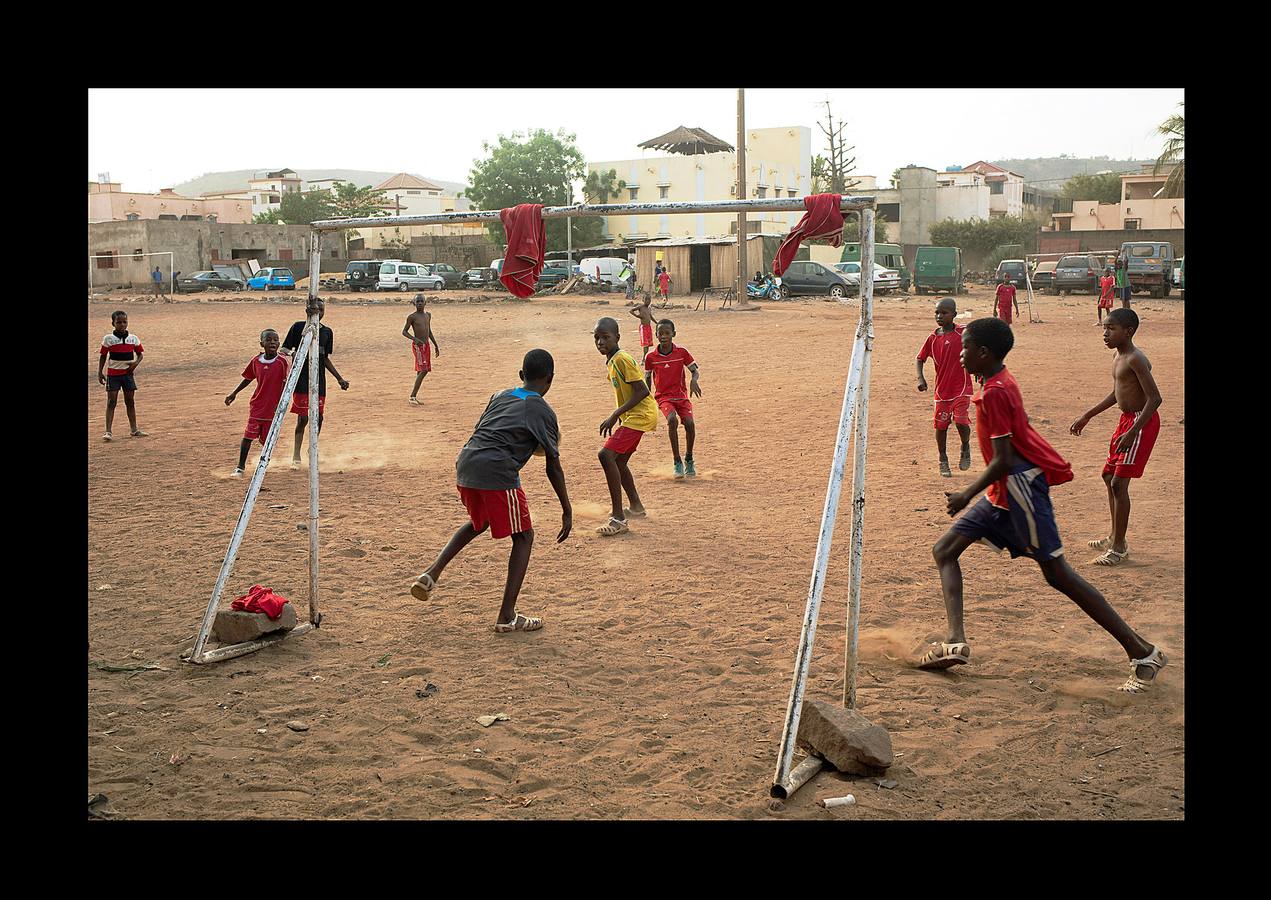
{"points": [[149, 139]]}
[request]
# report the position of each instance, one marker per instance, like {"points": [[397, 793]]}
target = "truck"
{"points": [[1150, 266], [888, 255], [938, 269]]}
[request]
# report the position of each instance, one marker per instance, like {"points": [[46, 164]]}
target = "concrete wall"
{"points": [[917, 186], [962, 201], [1112, 239], [462, 252], [116, 206], [1091, 215]]}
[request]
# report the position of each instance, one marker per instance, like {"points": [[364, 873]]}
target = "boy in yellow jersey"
{"points": [[636, 414]]}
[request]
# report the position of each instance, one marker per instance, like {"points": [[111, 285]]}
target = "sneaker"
{"points": [[964, 462], [944, 469], [679, 469], [689, 469], [108, 436], [238, 473]]}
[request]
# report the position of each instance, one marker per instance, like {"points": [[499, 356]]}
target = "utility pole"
{"points": [[741, 195]]}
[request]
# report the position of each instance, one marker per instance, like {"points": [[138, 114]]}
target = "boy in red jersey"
{"points": [[666, 366], [1134, 390], [516, 425], [953, 384], [644, 312], [1016, 515], [1107, 284], [269, 371], [664, 284], [1005, 298], [635, 415], [120, 355]]}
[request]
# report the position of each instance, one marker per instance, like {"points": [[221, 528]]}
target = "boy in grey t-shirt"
{"points": [[516, 425]]}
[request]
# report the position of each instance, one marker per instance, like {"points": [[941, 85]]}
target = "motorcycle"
{"points": [[769, 289]]}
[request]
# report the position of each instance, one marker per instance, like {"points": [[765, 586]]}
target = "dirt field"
{"points": [[658, 686]]}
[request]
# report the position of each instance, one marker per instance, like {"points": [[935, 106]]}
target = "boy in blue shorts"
{"points": [[1016, 514], [120, 355]]}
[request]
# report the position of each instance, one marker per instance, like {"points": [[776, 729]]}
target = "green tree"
{"points": [[301, 208], [601, 186], [1172, 130], [1105, 187], [268, 217], [981, 238], [540, 167], [895, 178], [852, 229], [357, 202], [820, 175]]}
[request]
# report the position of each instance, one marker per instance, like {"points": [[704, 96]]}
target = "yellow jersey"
{"points": [[623, 373]]}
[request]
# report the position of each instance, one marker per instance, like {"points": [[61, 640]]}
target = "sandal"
{"points": [[520, 623], [943, 656], [632, 514], [1100, 544], [1111, 557], [423, 587], [615, 526], [414, 401], [140, 433], [944, 469], [108, 437], [1155, 660]]}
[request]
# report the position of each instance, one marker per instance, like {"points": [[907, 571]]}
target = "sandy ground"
{"points": [[658, 686]]}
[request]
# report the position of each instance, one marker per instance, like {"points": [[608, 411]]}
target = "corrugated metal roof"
{"points": [[708, 239]]}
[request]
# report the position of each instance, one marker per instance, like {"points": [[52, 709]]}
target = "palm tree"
{"points": [[1172, 130]]}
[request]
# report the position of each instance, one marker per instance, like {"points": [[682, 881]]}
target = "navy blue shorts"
{"points": [[115, 382], [1027, 528]]}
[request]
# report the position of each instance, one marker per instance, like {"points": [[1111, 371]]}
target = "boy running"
{"points": [[666, 366], [120, 355], [635, 415], [1005, 298], [1107, 284], [269, 371], [300, 398], [418, 329], [1016, 515], [1134, 390], [953, 384], [644, 312], [664, 284], [516, 425]]}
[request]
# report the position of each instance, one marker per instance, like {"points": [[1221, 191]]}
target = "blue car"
{"points": [[272, 280]]}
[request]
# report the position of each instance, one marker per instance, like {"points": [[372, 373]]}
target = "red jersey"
{"points": [[999, 412], [668, 372], [270, 376], [120, 352], [1106, 283], [952, 381], [664, 279], [1005, 295]]}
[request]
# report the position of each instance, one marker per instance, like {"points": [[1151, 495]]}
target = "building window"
{"points": [[412, 192], [792, 193], [106, 260], [137, 254], [761, 192], [284, 254], [1132, 224], [333, 253], [167, 218], [635, 192], [995, 187], [211, 218], [889, 211], [132, 217], [191, 218], [663, 190], [216, 254]]}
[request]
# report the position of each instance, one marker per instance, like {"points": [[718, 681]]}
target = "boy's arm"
{"points": [[998, 467], [101, 369], [639, 390], [694, 389], [1085, 417], [432, 336], [1139, 366], [132, 368], [330, 367], [406, 328], [635, 311], [556, 475], [229, 398], [922, 379]]}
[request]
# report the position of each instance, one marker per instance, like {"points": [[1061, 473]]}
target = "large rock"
{"points": [[234, 626], [844, 738]]}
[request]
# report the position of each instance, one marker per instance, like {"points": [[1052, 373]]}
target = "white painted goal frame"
{"points": [[855, 404], [121, 257]]}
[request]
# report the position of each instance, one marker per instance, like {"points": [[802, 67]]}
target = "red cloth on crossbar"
{"points": [[527, 242], [823, 219], [260, 600]]}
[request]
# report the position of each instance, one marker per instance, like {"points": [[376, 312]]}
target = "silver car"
{"points": [[396, 275], [885, 279]]}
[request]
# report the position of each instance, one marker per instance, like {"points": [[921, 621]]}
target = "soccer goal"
{"points": [[119, 259]]}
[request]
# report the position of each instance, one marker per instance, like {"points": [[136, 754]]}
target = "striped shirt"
{"points": [[120, 352]]}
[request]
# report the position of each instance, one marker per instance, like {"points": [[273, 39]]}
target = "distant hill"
{"points": [[1048, 173], [237, 180]]}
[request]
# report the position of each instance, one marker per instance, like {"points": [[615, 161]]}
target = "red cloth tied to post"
{"points": [[527, 242], [260, 600], [823, 219]]}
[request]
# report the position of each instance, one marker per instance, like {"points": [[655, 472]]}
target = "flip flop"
{"points": [[614, 526], [423, 587], [1155, 660], [943, 656], [140, 433], [1111, 557], [414, 401], [520, 623]]}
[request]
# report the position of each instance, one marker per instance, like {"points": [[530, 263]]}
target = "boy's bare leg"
{"points": [[302, 422], [964, 433], [242, 452], [613, 478], [942, 443], [112, 400], [628, 484], [518, 562], [1119, 490], [461, 538], [130, 406], [946, 552], [1062, 578], [1112, 511], [672, 428], [419, 379], [690, 435]]}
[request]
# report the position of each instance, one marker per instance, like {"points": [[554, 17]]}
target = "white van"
{"points": [[398, 275], [602, 269]]}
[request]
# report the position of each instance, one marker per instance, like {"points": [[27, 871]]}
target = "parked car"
{"points": [[272, 279], [1149, 265], [554, 272], [362, 275], [885, 279], [1078, 272], [887, 255], [479, 278], [397, 275], [448, 273], [1014, 269], [204, 281], [938, 269], [1044, 276], [807, 277]]}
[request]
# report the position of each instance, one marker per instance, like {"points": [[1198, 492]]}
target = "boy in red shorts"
{"points": [[1016, 514], [644, 312], [635, 415], [666, 366], [418, 329], [1134, 390], [1107, 284], [300, 397], [1005, 298], [953, 384], [516, 425], [269, 371]]}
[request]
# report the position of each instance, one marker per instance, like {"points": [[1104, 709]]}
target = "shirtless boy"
{"points": [[644, 312], [1134, 391], [418, 329]]}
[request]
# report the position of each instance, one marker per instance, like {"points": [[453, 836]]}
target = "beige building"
{"points": [[408, 195], [1141, 208], [1005, 188], [778, 163], [108, 202]]}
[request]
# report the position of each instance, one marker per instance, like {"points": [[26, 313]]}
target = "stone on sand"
{"points": [[844, 738], [234, 626]]}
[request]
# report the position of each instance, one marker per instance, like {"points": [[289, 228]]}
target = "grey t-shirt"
{"points": [[515, 424]]}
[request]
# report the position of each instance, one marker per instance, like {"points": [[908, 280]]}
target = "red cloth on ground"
{"points": [[260, 600], [527, 242], [823, 219]]}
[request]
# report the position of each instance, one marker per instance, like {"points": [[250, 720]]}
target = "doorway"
{"points": [[699, 267]]}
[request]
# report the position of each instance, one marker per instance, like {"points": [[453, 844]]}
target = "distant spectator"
{"points": [[157, 277], [175, 276]]}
